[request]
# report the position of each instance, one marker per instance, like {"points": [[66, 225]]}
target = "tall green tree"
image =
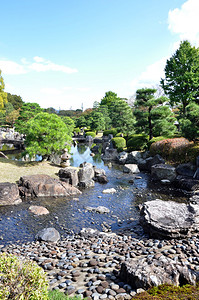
{"points": [[181, 81], [151, 117], [96, 120], [70, 124], [109, 99], [122, 116], [15, 100], [28, 111], [45, 134], [190, 123], [3, 95]]}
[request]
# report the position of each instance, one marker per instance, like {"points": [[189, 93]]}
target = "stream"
{"points": [[67, 215]]}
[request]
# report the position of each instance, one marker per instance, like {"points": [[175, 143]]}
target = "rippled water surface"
{"points": [[18, 224]]}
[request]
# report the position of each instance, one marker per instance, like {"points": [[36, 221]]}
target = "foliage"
{"points": [[91, 133], [45, 134], [190, 123], [70, 124], [112, 131], [27, 112], [95, 120], [57, 295], [170, 292], [137, 142], [109, 99], [105, 111], [175, 149], [122, 116], [152, 117], [3, 95], [50, 110], [119, 134], [15, 100], [81, 122], [182, 75], [21, 279], [119, 143], [156, 139], [77, 130], [12, 117]]}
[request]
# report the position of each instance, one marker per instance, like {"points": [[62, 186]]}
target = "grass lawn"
{"points": [[12, 170]]}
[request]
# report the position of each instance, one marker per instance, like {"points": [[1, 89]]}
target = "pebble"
{"points": [[88, 266]]}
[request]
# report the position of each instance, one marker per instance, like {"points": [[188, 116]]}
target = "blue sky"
{"points": [[64, 53]]}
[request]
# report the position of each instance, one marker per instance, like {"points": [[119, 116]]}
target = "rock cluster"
{"points": [[9, 193], [98, 266], [84, 176]]}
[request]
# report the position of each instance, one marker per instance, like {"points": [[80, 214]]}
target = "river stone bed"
{"points": [[89, 266]]}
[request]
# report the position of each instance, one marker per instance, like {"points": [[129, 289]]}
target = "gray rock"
{"points": [[185, 183], [48, 235], [134, 157], [163, 171], [70, 173], [9, 194], [145, 274], [99, 209], [85, 175], [131, 168], [169, 219], [186, 170], [146, 164], [122, 157], [42, 185], [110, 154]]}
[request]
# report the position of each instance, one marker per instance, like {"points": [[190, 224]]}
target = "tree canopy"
{"points": [[45, 134], [182, 76], [15, 100], [3, 95]]}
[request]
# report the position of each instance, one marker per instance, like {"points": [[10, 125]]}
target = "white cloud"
{"points": [[151, 76], [40, 65], [83, 89], [185, 21], [51, 91], [10, 67]]}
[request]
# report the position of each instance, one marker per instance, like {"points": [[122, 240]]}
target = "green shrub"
{"points": [[91, 133], [119, 134], [112, 131], [21, 279], [77, 130], [177, 150], [137, 142], [119, 143], [57, 295]]}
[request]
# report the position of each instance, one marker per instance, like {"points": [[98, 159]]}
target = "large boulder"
{"points": [[70, 175], [162, 172], [187, 169], [134, 157], [48, 235], [169, 219], [85, 175], [186, 183], [100, 175], [41, 185], [110, 154], [148, 272], [146, 164], [9, 194], [131, 168]]}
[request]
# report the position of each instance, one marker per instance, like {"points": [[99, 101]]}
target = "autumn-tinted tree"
{"points": [[3, 95], [182, 76], [45, 134]]}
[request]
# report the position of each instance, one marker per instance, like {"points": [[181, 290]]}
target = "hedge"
{"points": [[119, 143], [137, 142], [91, 133], [112, 131]]}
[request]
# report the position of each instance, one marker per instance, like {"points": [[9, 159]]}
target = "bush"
{"points": [[119, 143], [119, 134], [156, 139], [91, 133], [177, 150], [57, 295], [112, 131], [137, 142], [21, 279], [77, 130]]}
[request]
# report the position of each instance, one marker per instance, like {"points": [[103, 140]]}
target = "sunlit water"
{"points": [[18, 224]]}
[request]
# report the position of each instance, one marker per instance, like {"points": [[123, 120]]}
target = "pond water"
{"points": [[18, 224]]}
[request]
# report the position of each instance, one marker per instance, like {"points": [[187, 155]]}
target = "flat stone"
{"points": [[38, 210]]}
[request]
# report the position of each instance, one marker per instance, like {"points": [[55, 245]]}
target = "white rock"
{"points": [[109, 191]]}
